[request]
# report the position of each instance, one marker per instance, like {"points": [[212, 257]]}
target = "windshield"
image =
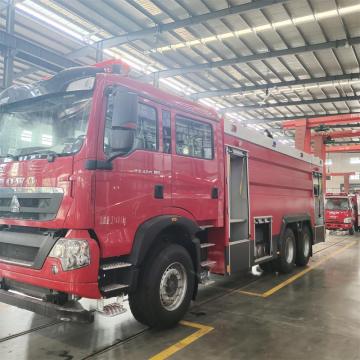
{"points": [[337, 204], [51, 124]]}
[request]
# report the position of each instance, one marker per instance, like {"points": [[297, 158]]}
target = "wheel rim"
{"points": [[306, 239], [173, 286], [289, 251]]}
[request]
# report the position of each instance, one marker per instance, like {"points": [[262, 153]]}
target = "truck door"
{"points": [[239, 252], [319, 228], [132, 189], [195, 168]]}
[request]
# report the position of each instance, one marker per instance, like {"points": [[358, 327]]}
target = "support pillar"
{"points": [[99, 52], [303, 136], [320, 151], [156, 79], [8, 72], [347, 183]]}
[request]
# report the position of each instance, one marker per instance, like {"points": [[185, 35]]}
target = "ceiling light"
{"points": [[149, 7], [261, 28]]}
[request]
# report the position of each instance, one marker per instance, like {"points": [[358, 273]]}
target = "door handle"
{"points": [[215, 193], [159, 191]]}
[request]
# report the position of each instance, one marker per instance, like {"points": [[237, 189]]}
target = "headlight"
{"points": [[72, 253], [348, 220]]}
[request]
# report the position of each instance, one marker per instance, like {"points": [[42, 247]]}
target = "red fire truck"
{"points": [[341, 212], [111, 188]]}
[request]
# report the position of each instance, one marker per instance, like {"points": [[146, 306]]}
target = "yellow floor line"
{"points": [[296, 276], [251, 293], [171, 350]]}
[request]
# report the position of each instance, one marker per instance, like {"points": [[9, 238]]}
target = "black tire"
{"points": [[286, 259], [303, 248], [269, 266], [352, 230], [137, 308], [147, 304]]}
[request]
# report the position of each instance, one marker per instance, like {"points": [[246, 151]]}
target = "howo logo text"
{"points": [[18, 181]]}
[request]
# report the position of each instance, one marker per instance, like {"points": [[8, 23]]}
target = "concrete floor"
{"points": [[312, 315]]}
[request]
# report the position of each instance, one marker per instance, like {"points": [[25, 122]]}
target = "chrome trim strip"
{"points": [[42, 190], [238, 241], [19, 263]]}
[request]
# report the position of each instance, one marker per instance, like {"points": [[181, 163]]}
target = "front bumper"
{"points": [[338, 226], [72, 311], [82, 282]]}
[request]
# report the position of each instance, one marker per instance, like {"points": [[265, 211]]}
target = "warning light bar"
{"points": [[114, 66]]}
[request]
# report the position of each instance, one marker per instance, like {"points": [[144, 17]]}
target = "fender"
{"points": [[148, 232], [290, 219], [145, 239]]}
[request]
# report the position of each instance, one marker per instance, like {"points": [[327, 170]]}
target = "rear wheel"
{"points": [[303, 247], [269, 266], [165, 288], [286, 260]]}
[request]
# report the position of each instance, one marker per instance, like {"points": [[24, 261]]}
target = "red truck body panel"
{"points": [[114, 204]]}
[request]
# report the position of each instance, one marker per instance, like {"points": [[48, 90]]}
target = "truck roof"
{"points": [[157, 94], [244, 133]]}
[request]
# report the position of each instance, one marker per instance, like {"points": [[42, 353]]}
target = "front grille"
{"points": [[35, 205], [26, 248], [18, 253]]}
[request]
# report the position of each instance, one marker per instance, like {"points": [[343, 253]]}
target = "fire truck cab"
{"points": [[111, 187], [341, 212]]}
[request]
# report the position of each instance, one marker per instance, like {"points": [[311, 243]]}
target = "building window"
{"points": [[166, 123], [328, 162], [354, 160], [194, 138]]}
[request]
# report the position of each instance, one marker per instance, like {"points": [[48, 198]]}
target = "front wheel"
{"points": [[303, 247], [286, 260], [165, 288]]}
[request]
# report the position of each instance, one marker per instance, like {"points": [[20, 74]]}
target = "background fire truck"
{"points": [[112, 187], [341, 212]]}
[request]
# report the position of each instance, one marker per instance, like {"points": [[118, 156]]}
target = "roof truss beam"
{"points": [[316, 121], [343, 134], [262, 56], [27, 50], [161, 28], [290, 103], [343, 148], [291, 121], [272, 86]]}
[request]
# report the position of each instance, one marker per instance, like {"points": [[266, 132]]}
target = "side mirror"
{"points": [[121, 140], [125, 110]]}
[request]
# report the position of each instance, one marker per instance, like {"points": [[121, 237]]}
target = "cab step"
{"points": [[115, 265], [206, 245], [113, 287], [111, 310], [207, 263], [205, 279]]}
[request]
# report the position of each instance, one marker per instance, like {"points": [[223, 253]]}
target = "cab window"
{"points": [[166, 129], [123, 141], [194, 138]]}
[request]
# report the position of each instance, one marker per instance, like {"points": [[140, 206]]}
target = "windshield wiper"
{"points": [[51, 155], [9, 156], [41, 152]]}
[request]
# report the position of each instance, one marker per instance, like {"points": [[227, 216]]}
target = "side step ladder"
{"points": [[114, 305]]}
